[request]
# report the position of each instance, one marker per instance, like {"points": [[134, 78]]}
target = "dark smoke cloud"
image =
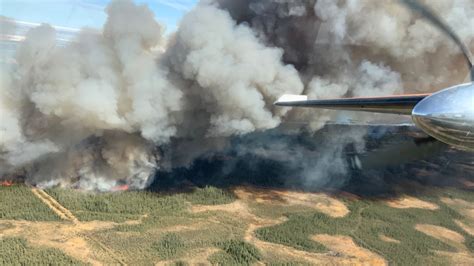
{"points": [[113, 106]]}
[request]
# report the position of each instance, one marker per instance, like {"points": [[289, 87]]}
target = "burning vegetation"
{"points": [[6, 183], [109, 109]]}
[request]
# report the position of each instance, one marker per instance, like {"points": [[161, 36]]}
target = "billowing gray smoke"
{"points": [[92, 114]]}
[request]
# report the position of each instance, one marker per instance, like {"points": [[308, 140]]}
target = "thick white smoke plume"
{"points": [[105, 109], [93, 110], [232, 76]]}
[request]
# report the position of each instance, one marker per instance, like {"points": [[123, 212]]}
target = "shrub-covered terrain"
{"points": [[235, 253], [365, 223], [117, 207], [130, 205], [153, 227], [171, 237], [18, 203], [209, 196], [16, 251], [169, 246]]}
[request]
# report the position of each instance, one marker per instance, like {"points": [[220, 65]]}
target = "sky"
{"points": [[87, 13]]}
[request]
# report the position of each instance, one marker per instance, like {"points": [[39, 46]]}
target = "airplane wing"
{"points": [[396, 104]]}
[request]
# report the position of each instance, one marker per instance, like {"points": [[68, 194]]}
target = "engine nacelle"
{"points": [[448, 116]]}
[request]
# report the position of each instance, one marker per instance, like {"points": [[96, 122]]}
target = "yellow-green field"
{"points": [[242, 225]]}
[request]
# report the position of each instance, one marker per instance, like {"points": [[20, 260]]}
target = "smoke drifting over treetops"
{"points": [[92, 114]]}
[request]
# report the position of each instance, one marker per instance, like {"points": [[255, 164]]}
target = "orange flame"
{"points": [[6, 183], [120, 188]]}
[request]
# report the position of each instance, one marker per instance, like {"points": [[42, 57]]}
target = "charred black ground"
{"points": [[394, 160]]}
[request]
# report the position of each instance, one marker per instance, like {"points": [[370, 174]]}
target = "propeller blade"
{"points": [[437, 21]]}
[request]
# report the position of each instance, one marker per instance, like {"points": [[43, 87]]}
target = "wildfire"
{"points": [[121, 188], [6, 183]]}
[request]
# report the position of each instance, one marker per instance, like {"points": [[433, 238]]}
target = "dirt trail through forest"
{"points": [[55, 206], [75, 241]]}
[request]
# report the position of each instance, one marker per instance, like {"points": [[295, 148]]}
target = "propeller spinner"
{"points": [[447, 115]]}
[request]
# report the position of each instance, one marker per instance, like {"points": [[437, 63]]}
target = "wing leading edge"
{"points": [[397, 104]]}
